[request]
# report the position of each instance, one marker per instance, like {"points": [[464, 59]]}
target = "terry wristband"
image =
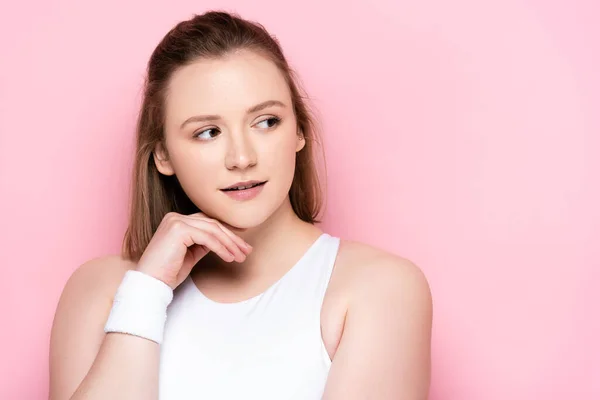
{"points": [[140, 306]]}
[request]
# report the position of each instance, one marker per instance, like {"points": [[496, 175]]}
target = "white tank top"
{"points": [[268, 347]]}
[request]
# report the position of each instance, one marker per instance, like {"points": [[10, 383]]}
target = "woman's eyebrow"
{"points": [[253, 109]]}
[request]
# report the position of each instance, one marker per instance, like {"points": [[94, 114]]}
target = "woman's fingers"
{"points": [[241, 243], [226, 239], [211, 242]]}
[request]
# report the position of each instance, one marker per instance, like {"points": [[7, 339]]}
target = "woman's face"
{"points": [[231, 120]]}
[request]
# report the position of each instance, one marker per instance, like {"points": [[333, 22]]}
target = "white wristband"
{"points": [[140, 306]]}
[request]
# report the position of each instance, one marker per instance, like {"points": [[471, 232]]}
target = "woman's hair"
{"points": [[211, 35]]}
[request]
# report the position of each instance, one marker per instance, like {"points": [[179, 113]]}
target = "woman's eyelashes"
{"points": [[274, 122], [211, 133], [199, 134]]}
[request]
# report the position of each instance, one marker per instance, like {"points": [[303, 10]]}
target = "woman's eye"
{"points": [[269, 122], [206, 134]]}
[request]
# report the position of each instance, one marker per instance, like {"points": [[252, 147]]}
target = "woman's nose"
{"points": [[240, 153]]}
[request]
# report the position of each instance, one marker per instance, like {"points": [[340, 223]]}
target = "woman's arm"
{"points": [[384, 352], [86, 363]]}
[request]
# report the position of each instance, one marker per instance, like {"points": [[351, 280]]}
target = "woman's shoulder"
{"points": [[82, 310], [369, 270], [98, 277]]}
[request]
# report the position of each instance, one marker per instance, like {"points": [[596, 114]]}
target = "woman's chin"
{"points": [[244, 216], [242, 221]]}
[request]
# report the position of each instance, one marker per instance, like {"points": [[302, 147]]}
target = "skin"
{"points": [[377, 313]]}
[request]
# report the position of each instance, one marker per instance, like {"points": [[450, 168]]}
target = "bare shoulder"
{"points": [[89, 291], [386, 331], [78, 325], [99, 276], [371, 272]]}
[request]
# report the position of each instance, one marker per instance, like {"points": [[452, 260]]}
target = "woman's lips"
{"points": [[245, 194], [245, 184]]}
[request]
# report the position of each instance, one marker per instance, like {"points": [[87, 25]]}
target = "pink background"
{"points": [[463, 135]]}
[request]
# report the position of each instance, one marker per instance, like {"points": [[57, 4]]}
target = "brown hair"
{"points": [[210, 35]]}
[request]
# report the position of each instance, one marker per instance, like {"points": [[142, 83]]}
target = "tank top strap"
{"points": [[321, 264]]}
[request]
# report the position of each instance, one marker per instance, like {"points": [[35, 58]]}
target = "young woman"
{"points": [[226, 288]]}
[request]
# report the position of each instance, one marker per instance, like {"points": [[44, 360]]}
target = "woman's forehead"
{"points": [[234, 82]]}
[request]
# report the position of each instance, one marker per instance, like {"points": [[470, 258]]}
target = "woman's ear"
{"points": [[161, 160], [301, 141]]}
